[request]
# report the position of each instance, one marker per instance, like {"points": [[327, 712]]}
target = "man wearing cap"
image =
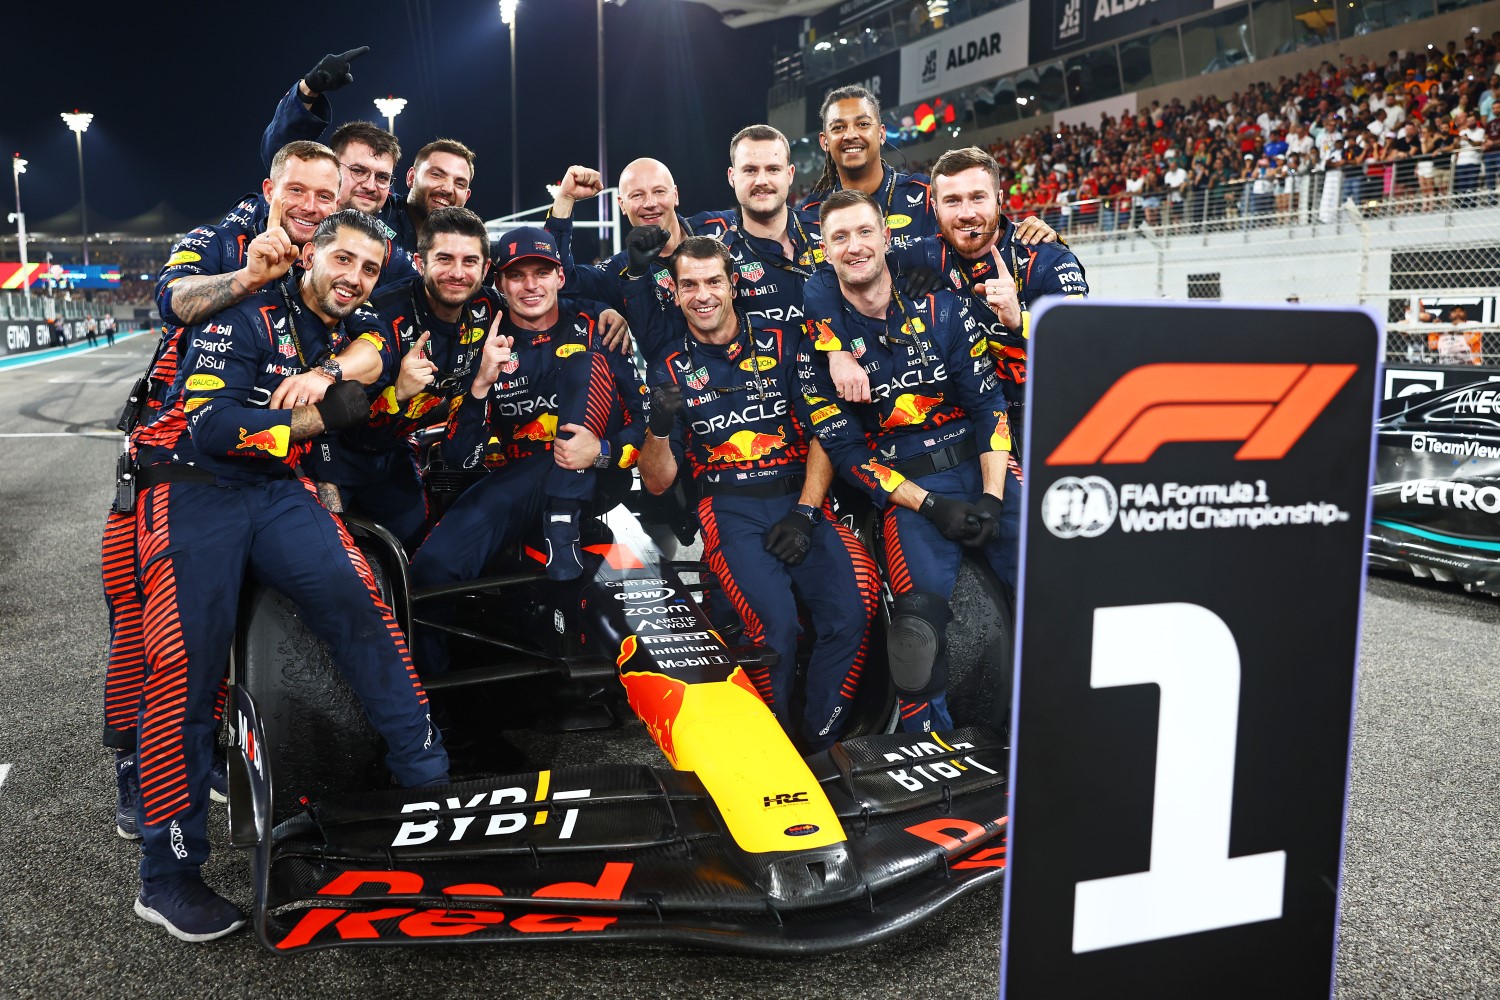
{"points": [[542, 414]]}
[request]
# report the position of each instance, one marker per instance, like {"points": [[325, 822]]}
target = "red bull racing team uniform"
{"points": [[221, 496], [770, 284], [554, 377], [936, 405], [743, 435], [375, 465], [293, 120], [905, 199]]}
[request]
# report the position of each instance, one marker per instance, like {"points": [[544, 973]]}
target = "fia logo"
{"points": [[1070, 25]]}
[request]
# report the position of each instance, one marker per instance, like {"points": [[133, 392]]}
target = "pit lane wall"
{"points": [[23, 336]]}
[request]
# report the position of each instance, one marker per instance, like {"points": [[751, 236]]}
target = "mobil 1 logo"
{"points": [[1196, 499]]}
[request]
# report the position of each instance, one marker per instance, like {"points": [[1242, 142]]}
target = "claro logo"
{"points": [[1268, 407]]}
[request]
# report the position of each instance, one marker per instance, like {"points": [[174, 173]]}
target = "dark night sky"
{"points": [[182, 91]]}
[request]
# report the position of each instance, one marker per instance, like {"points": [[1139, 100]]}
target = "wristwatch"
{"points": [[330, 366], [808, 511], [602, 460]]}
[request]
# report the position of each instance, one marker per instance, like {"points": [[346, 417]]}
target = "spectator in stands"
{"points": [[1469, 140], [1462, 344]]}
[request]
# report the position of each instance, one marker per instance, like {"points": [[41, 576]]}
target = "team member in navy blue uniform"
{"points": [[648, 197], [539, 414], [930, 449], [209, 269], [726, 402], [430, 330], [1000, 266], [222, 496], [851, 139]]}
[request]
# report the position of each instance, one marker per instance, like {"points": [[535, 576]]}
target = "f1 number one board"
{"points": [[1197, 495]]}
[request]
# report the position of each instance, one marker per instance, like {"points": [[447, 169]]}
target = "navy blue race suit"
{"points": [[904, 199], [222, 496], [553, 378], [743, 435], [770, 285], [936, 405], [292, 121], [375, 465], [1038, 271]]}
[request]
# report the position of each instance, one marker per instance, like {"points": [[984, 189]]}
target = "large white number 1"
{"points": [[1193, 885]]}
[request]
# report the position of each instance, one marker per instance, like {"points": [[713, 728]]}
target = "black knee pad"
{"points": [[915, 642]]}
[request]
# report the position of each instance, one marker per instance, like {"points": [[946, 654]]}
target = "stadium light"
{"points": [[17, 168], [508, 18], [79, 122], [390, 107]]}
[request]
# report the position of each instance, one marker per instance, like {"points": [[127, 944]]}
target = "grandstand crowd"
{"points": [[1405, 130]]}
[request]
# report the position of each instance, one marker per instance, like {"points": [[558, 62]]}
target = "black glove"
{"points": [[790, 538], [332, 71], [344, 405], [959, 521], [666, 403], [643, 244], [921, 281], [990, 504]]}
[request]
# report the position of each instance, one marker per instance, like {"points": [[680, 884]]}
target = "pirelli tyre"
{"points": [[318, 738]]}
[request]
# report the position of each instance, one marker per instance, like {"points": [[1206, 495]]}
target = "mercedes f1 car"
{"points": [[1437, 487], [735, 841]]}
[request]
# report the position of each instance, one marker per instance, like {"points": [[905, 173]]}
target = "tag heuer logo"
{"points": [[663, 278], [753, 271], [699, 378], [284, 346], [857, 347]]}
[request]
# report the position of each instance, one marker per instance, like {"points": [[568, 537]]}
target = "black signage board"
{"points": [[1197, 491], [1059, 27], [1402, 382], [880, 76]]}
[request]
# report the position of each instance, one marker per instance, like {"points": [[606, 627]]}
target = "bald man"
{"points": [[647, 197]]}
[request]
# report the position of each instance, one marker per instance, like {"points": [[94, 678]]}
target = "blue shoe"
{"points": [[218, 779], [127, 793], [925, 716], [188, 909], [563, 559]]}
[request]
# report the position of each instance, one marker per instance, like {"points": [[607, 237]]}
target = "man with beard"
{"points": [[726, 404], [851, 139], [222, 496], [540, 413], [211, 268], [930, 450], [982, 256], [430, 329]]}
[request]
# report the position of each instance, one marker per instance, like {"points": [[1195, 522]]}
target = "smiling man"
{"points": [[851, 139], [221, 496], [726, 406]]}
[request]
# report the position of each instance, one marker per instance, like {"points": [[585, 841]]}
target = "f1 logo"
{"points": [[1268, 407]]}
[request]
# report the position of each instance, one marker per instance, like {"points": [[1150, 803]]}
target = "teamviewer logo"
{"points": [[1267, 407]]}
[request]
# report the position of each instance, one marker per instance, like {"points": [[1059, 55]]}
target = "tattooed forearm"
{"points": [[198, 296], [306, 422]]}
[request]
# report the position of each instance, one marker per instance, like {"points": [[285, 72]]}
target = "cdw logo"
{"points": [[1265, 406]]}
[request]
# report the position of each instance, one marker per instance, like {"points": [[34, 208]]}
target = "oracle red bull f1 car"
{"points": [[734, 842], [1436, 510]]}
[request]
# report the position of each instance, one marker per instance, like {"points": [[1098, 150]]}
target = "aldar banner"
{"points": [[1197, 491], [973, 52], [1061, 27]]}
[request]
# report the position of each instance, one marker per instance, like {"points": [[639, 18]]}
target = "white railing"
{"points": [[609, 227]]}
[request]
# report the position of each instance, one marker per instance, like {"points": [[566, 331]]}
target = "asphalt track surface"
{"points": [[1421, 887]]}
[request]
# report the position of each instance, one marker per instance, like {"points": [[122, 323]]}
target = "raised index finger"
{"points": [[273, 219], [421, 343], [355, 53]]}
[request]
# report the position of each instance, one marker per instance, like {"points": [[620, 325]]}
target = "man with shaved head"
{"points": [[648, 199]]}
